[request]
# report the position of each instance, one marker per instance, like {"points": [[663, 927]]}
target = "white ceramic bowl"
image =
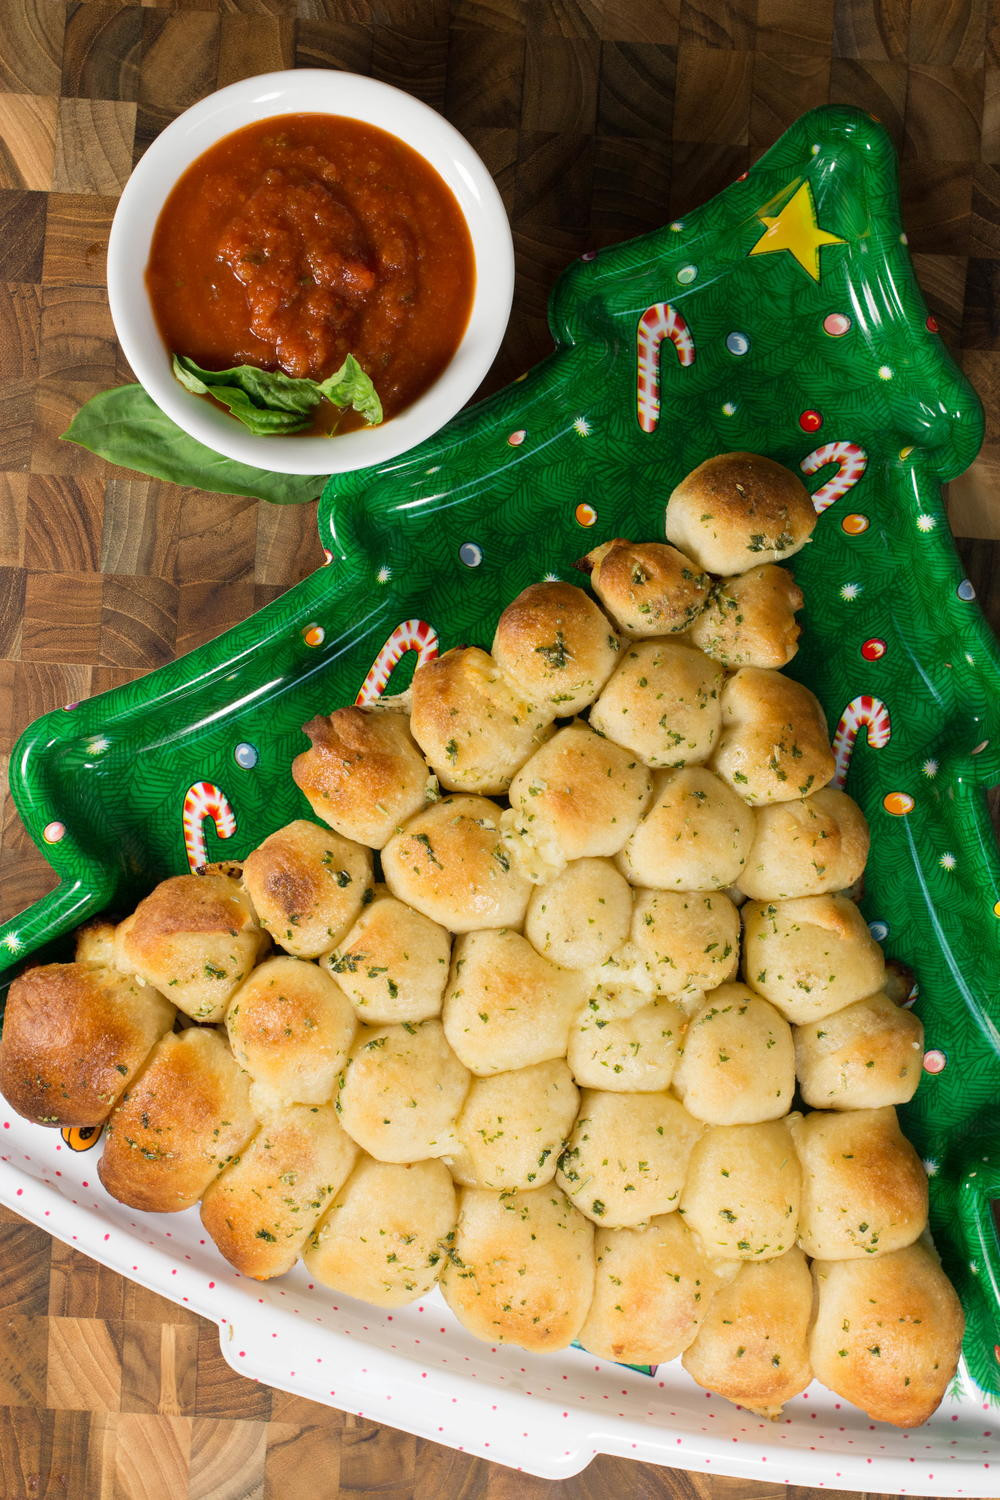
{"points": [[310, 91]]}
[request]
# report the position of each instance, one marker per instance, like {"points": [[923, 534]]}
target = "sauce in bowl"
{"points": [[303, 238]]}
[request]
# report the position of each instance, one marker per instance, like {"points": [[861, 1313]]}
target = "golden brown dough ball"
{"points": [[506, 1006], [808, 847], [194, 938], [557, 646], [743, 1191], [749, 621], [402, 1092], [262, 1208], [579, 797], [581, 916], [291, 1027], [307, 885], [888, 1333], [522, 1267], [652, 1288], [393, 964], [514, 1125], [680, 943], [627, 1157], [74, 1037], [865, 1056], [774, 745], [472, 723], [864, 1189], [753, 1344], [185, 1118], [648, 588], [95, 944], [364, 775], [738, 510], [810, 957], [386, 1233], [662, 703], [695, 835], [626, 1042], [738, 1064], [449, 862]]}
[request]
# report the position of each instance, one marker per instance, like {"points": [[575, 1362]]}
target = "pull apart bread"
{"points": [[561, 1000]]}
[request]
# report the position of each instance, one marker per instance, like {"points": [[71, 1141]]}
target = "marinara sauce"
{"points": [[296, 241]]}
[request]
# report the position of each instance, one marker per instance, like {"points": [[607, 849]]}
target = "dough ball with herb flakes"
{"points": [[887, 1334], [662, 703], [449, 863], [402, 1092], [581, 916], [393, 964], [472, 723], [864, 1188], [514, 1125], [811, 956], [291, 1027], [865, 1056], [262, 1208], [506, 1006], [749, 621], [194, 937], [74, 1037], [743, 1191], [522, 1267], [774, 745], [307, 885], [386, 1233], [694, 836], [648, 588], [807, 847], [753, 1344], [738, 1065], [627, 1157], [652, 1288], [680, 943], [738, 510], [579, 797], [557, 646], [626, 1042], [364, 775]]}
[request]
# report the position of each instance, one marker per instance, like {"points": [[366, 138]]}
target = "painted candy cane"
{"points": [[204, 800], [411, 635], [659, 322], [863, 710], [851, 462]]}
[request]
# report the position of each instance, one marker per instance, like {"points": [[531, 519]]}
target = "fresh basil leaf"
{"points": [[260, 420], [350, 386], [126, 427], [270, 390]]}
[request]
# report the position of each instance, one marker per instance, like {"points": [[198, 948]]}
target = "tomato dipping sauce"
{"points": [[303, 238]]}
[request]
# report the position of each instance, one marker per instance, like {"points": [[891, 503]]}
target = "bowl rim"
{"points": [[304, 91]]}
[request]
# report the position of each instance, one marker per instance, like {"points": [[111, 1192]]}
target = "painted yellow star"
{"points": [[795, 229]]}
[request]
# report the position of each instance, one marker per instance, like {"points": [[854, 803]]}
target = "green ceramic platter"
{"points": [[782, 317]]}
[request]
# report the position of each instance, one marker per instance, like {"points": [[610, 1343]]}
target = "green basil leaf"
{"points": [[270, 390], [350, 386], [126, 427]]}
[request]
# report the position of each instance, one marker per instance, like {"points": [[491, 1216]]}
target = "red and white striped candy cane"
{"points": [[411, 635], [201, 801], [863, 710], [659, 322], [851, 462]]}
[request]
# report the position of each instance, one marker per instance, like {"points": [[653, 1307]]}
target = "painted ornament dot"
{"points": [[935, 1061], [246, 755], [966, 590], [996, 908], [810, 421], [879, 930], [517, 438], [836, 325], [932, 325], [898, 803], [327, 556], [471, 554], [53, 832], [729, 408], [873, 650], [687, 274], [884, 372], [855, 524], [314, 635], [585, 514], [737, 343]]}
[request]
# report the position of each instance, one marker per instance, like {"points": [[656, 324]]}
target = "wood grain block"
{"points": [[13, 510], [486, 78], [937, 206], [944, 110], [83, 1371], [138, 621], [228, 1462], [784, 85], [288, 546], [250, 44], [413, 56], [82, 1288], [631, 188], [790, 26], [62, 617], [981, 306], [221, 1392], [877, 86], [26, 1251], [322, 42], [159, 1369], [638, 81], [27, 140], [152, 1456], [876, 30], [31, 40], [76, 239], [560, 83], [712, 102], [949, 32], [24, 1445], [101, 50], [12, 590], [22, 234], [63, 523], [943, 280], [718, 23], [93, 145], [376, 1458]]}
